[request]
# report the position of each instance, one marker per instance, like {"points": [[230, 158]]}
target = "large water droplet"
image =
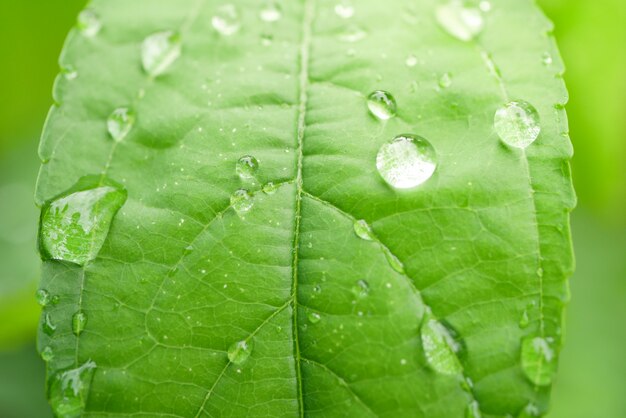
{"points": [[344, 9], [120, 122], [382, 105], [440, 347], [473, 410], [159, 51], [247, 167], [363, 230], [241, 201], [43, 297], [47, 354], [47, 325], [314, 317], [517, 124], [75, 225], [240, 351], [406, 162], [79, 320], [69, 389], [361, 289], [393, 261], [352, 33], [460, 21], [89, 23], [226, 20], [539, 360], [271, 12]]}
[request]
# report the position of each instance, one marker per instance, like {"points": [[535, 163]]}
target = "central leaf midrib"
{"points": [[305, 46]]}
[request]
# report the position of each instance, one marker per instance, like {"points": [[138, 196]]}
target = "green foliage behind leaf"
{"points": [[207, 300]]}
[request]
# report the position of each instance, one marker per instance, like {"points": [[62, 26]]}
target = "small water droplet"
{"points": [[47, 325], [382, 105], [445, 81], [393, 261], [89, 23], [344, 9], [239, 352], [314, 317], [517, 124], [47, 354], [460, 21], [524, 320], [43, 297], [271, 12], [69, 389], [352, 33], [241, 201], [247, 167], [361, 289], [270, 188], [75, 225], [363, 230], [473, 410], [226, 20], [539, 360], [411, 61], [69, 72], [120, 122], [79, 320], [529, 411], [440, 347], [317, 288], [406, 162], [547, 58], [159, 51]]}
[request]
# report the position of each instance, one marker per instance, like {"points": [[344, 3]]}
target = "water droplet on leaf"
{"points": [[271, 12], [226, 20], [69, 72], [159, 51], [270, 188], [43, 297], [363, 230], [75, 225], [241, 201], [239, 352], [411, 61], [79, 320], [361, 289], [473, 410], [406, 162], [529, 411], [344, 9], [69, 389], [314, 317], [393, 261], [120, 122], [445, 81], [440, 347], [352, 33], [47, 354], [460, 21], [89, 23], [539, 360], [247, 167], [517, 124], [382, 105], [48, 326]]}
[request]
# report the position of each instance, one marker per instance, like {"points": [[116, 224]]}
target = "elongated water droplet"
{"points": [[239, 352], [524, 320], [473, 410], [79, 320], [241, 201], [406, 162], [411, 61], [271, 12], [361, 289], [159, 51], [440, 347], [445, 81], [120, 122], [517, 124], [69, 389], [89, 23], [352, 33], [393, 261], [363, 230], [43, 297], [529, 411], [460, 21], [270, 188], [75, 225], [539, 360], [47, 354], [226, 20], [247, 167], [314, 317], [344, 9], [47, 325], [382, 105]]}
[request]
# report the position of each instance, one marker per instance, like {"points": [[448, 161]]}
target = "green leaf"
{"points": [[321, 218]]}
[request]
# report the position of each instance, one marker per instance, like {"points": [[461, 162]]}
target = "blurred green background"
{"points": [[591, 35]]}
